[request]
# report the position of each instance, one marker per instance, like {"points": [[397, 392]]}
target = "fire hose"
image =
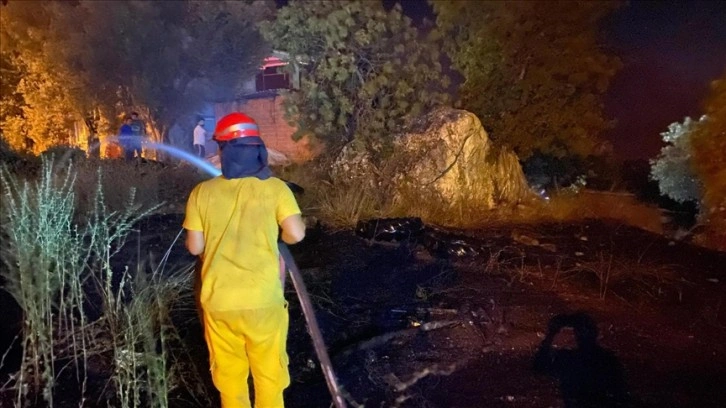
{"points": [[313, 328]]}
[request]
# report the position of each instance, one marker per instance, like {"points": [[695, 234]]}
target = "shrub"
{"points": [[672, 169], [18, 162], [62, 154]]}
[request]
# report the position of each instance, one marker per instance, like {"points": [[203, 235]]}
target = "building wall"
{"points": [[248, 87], [269, 114]]}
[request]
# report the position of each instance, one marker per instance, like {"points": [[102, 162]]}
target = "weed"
{"points": [[57, 260], [612, 276], [44, 252], [345, 205]]}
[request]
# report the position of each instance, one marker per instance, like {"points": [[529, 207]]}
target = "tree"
{"points": [[363, 70], [534, 71], [44, 107], [11, 102], [672, 169], [164, 59], [709, 158], [34, 113]]}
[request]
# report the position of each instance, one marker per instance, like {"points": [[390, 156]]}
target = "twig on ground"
{"points": [[400, 386], [386, 337]]}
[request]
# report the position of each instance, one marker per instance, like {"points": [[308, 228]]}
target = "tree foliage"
{"points": [[11, 102], [164, 59], [534, 70], [709, 157], [364, 69], [34, 115], [672, 169]]}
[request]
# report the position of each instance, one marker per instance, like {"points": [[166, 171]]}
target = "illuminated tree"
{"points": [[364, 69], [709, 159], [34, 113], [162, 58], [11, 102], [672, 169]]}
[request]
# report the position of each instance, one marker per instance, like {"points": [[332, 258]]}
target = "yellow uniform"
{"points": [[241, 293]]}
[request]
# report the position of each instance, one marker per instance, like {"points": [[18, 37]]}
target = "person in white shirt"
{"points": [[200, 138]]}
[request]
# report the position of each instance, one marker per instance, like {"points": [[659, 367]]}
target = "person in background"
{"points": [[138, 128], [94, 147], [200, 138], [125, 138], [233, 223]]}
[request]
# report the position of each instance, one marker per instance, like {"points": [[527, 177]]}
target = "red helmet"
{"points": [[237, 125]]}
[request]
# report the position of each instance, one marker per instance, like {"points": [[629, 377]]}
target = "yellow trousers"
{"points": [[248, 340]]}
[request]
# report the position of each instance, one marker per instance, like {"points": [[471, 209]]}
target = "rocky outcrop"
{"points": [[448, 153], [445, 155]]}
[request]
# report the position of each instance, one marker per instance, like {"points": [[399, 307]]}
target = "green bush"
{"points": [[672, 169]]}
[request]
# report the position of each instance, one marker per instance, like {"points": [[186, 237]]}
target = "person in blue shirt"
{"points": [[126, 139]]}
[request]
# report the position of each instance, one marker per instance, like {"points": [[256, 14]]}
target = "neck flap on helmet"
{"points": [[244, 160]]}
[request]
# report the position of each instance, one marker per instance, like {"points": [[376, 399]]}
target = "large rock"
{"points": [[448, 154]]}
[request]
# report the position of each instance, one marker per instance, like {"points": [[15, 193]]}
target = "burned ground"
{"points": [[445, 318], [453, 318], [413, 324]]}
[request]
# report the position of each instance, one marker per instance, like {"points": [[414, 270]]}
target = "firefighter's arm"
{"points": [[195, 242], [293, 229]]}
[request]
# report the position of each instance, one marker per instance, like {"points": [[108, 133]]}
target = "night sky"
{"points": [[671, 51]]}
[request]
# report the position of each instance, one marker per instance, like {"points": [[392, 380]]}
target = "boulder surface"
{"points": [[448, 154]]}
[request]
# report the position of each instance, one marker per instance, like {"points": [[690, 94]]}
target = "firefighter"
{"points": [[233, 222]]}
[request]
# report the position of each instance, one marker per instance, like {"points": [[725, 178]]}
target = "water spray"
{"points": [[297, 280], [178, 153]]}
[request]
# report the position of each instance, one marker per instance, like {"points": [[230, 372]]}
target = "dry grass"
{"points": [[307, 176], [563, 208], [602, 205], [623, 278], [338, 203], [606, 274], [342, 206], [622, 208], [341, 203], [434, 209], [154, 184]]}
